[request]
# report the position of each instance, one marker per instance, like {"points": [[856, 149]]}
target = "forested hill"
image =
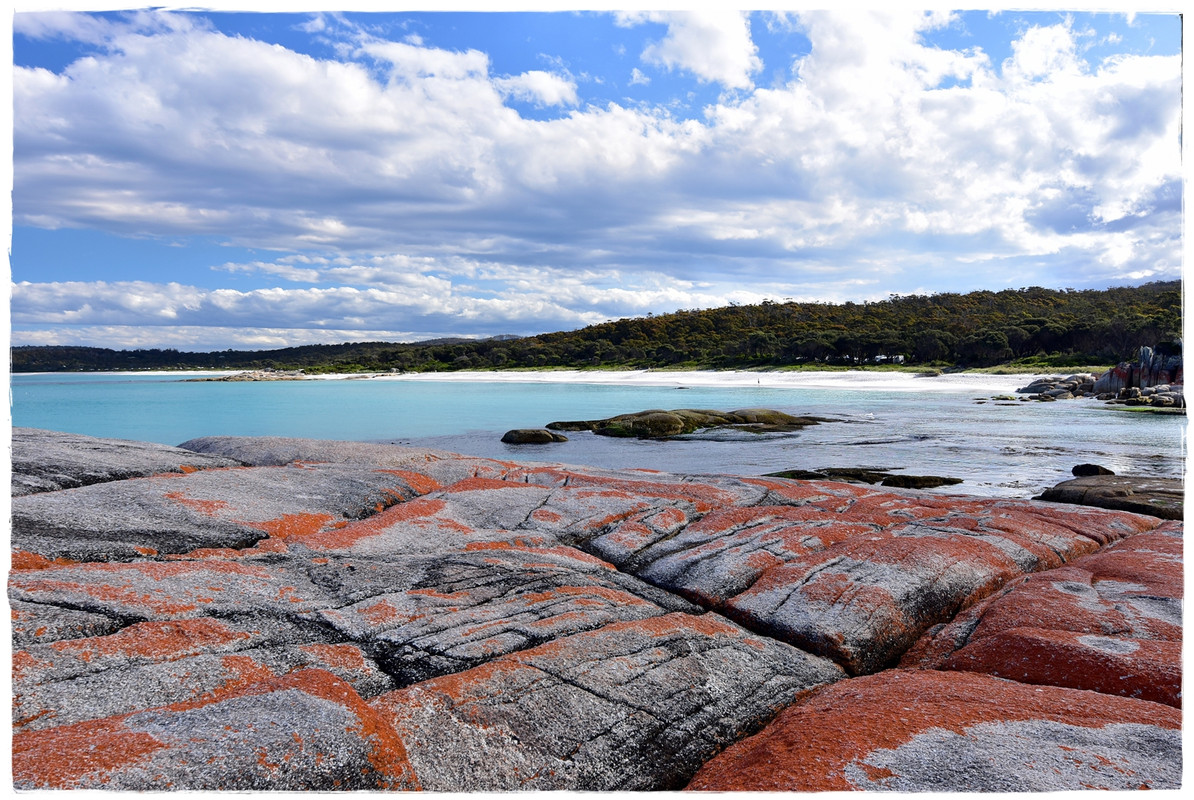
{"points": [[976, 329]]}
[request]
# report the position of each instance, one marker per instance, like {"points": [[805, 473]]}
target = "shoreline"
{"points": [[858, 380]]}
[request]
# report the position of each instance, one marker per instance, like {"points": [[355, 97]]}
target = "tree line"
{"points": [[1032, 325]]}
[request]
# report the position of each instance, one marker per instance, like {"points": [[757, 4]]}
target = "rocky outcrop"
{"points": [[1154, 379], [1158, 497], [884, 477], [334, 615], [656, 424], [1109, 622], [1055, 387], [258, 375], [44, 461], [924, 730], [1153, 367]]}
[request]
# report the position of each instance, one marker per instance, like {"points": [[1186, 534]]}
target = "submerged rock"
{"points": [[872, 476]]}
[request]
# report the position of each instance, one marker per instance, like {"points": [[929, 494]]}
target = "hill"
{"points": [[1053, 328]]}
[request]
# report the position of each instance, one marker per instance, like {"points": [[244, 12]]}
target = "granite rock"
{"points": [[923, 730], [334, 615], [45, 461], [1109, 622], [1158, 497]]}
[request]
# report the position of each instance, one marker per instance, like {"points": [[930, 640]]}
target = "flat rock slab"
{"points": [[635, 706], [279, 451], [425, 616], [924, 730], [46, 461], [465, 624], [1158, 497], [303, 731], [1109, 622], [225, 508]]}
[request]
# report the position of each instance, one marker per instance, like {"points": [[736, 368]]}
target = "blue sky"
{"points": [[209, 179]]}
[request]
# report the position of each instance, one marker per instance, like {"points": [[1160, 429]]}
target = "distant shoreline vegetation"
{"points": [[1016, 329]]}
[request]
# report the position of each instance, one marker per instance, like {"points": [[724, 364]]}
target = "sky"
{"points": [[205, 180]]}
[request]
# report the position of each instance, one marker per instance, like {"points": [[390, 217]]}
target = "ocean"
{"points": [[946, 425]]}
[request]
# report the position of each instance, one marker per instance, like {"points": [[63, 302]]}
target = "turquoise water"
{"points": [[998, 449]]}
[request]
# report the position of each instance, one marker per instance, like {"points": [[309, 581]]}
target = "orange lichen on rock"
{"points": [[160, 641], [815, 744], [293, 526], [415, 511], [1149, 670], [208, 507], [80, 754], [421, 484], [24, 560]]}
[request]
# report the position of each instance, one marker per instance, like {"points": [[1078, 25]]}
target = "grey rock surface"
{"points": [[1157, 497], [45, 461], [341, 615]]}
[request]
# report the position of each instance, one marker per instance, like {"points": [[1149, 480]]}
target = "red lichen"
{"points": [[809, 746], [81, 754], [24, 560], [207, 507], [160, 641], [293, 526]]}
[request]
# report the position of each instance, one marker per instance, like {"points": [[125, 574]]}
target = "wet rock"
{"points": [[1085, 470], [533, 436], [1110, 622], [46, 461], [872, 476], [923, 730], [1158, 497], [636, 706], [657, 424]]}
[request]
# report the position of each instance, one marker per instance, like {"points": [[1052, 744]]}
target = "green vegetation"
{"points": [[1030, 329]]}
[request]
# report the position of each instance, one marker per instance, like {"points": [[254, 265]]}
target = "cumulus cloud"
{"points": [[413, 197], [712, 44], [539, 87]]}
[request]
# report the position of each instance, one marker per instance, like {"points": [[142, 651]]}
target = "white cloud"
{"points": [[639, 78], [415, 199], [712, 44], [539, 87]]}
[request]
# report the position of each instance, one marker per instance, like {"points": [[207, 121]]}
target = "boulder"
{"points": [[1158, 497], [638, 706], [1085, 470], [533, 436], [1109, 622], [930, 731]]}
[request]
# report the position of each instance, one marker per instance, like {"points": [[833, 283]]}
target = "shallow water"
{"points": [[922, 426]]}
